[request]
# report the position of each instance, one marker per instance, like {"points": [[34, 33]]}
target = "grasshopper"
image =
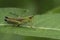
{"points": [[18, 21]]}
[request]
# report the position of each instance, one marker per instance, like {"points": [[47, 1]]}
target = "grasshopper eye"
{"points": [[30, 17]]}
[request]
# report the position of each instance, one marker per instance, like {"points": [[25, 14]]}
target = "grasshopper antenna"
{"points": [[14, 14], [6, 17]]}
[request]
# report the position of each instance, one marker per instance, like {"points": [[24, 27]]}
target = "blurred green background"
{"points": [[36, 7]]}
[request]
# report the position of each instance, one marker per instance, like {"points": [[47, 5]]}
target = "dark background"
{"points": [[37, 6]]}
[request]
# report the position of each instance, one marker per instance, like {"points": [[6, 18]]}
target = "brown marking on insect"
{"points": [[20, 19]]}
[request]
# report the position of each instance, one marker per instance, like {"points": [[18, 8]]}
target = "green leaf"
{"points": [[47, 26], [54, 10]]}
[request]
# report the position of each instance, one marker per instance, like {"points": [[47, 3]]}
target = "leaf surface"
{"points": [[47, 25]]}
